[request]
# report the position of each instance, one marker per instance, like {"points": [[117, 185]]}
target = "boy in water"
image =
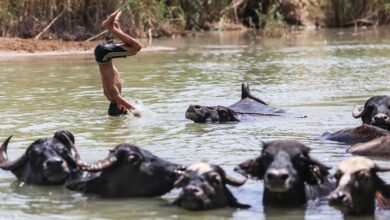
{"points": [[104, 53]]}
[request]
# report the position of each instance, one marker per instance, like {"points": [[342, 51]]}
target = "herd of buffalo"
{"points": [[290, 174]]}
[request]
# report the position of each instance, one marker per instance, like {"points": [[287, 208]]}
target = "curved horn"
{"points": [[233, 181], [358, 111], [4, 162], [98, 165], [381, 169], [94, 167]]}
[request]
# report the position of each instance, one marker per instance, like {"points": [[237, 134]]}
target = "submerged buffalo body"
{"points": [[204, 187], [46, 161], [128, 171], [377, 147], [358, 185], [248, 105], [290, 175], [375, 115]]}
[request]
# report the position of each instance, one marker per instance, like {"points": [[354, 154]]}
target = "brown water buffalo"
{"points": [[46, 161], [248, 105], [377, 147], [128, 171], [375, 115], [290, 175], [358, 185], [204, 187]]}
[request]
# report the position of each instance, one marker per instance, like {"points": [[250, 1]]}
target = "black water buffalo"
{"points": [[357, 187], [46, 161], [248, 105], [377, 147], [128, 171], [290, 175], [375, 115], [204, 187]]}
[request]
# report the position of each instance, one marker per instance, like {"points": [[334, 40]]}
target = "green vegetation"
{"points": [[80, 19]]}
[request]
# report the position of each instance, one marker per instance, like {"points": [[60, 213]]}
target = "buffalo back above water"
{"points": [[128, 171], [247, 105], [286, 167], [375, 115]]}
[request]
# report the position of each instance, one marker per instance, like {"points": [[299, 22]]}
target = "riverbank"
{"points": [[16, 47]]}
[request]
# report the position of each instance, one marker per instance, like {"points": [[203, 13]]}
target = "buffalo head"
{"points": [[204, 187], [46, 161], [201, 114], [357, 186], [285, 167], [128, 171], [376, 111]]}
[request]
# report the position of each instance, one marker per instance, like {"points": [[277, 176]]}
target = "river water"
{"points": [[319, 74]]}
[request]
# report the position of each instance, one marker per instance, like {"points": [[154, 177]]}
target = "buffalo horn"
{"points": [[358, 111], [99, 165], [381, 169], [4, 162], [233, 181]]}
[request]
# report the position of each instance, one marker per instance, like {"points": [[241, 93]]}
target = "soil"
{"points": [[32, 46], [16, 47]]}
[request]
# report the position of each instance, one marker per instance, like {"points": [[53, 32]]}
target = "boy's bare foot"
{"points": [[107, 23]]}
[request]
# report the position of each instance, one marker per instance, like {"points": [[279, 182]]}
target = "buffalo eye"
{"points": [[299, 160], [215, 179], [134, 159], [266, 158], [338, 175], [363, 176]]}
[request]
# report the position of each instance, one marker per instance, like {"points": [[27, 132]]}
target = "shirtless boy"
{"points": [[110, 76]]}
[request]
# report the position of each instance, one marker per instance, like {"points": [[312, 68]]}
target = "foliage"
{"points": [[343, 13], [80, 19]]}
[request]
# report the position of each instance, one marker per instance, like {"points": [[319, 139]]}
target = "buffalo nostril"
{"points": [[270, 176], [277, 175], [54, 162], [192, 189], [197, 107], [284, 177], [381, 118]]}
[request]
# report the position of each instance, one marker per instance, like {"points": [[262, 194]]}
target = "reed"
{"points": [[80, 19]]}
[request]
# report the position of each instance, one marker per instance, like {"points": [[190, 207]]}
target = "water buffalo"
{"points": [[290, 175], [377, 147], [375, 115], [248, 105], [46, 161], [128, 171], [204, 187], [358, 185]]}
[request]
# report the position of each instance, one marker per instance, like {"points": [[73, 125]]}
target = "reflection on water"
{"points": [[317, 74]]}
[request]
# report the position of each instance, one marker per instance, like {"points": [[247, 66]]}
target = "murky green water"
{"points": [[318, 74]]}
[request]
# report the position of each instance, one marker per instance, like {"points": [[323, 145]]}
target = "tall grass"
{"points": [[80, 19], [343, 13]]}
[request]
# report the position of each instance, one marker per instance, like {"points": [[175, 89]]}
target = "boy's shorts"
{"points": [[105, 52]]}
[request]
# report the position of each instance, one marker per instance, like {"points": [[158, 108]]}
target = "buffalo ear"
{"points": [[317, 172], [64, 136], [228, 115], [383, 196], [358, 111], [251, 167]]}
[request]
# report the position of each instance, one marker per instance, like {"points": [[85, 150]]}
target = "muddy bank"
{"points": [[15, 47]]}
